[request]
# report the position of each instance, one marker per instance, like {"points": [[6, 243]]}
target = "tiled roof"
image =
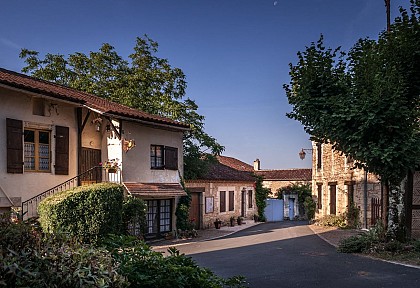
{"points": [[228, 169], [53, 90], [235, 163], [155, 190], [286, 175]]}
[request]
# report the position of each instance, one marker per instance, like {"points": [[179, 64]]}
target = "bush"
{"points": [[332, 221], [416, 245], [85, 212], [144, 267], [370, 241], [134, 216], [352, 216], [310, 207]]}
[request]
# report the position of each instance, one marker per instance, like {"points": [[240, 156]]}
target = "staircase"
{"points": [[94, 175]]}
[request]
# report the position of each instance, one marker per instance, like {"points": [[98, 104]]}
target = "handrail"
{"points": [[96, 174]]}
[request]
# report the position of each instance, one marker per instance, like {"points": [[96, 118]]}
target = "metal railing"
{"points": [[94, 175]]}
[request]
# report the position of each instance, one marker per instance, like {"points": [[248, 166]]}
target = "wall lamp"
{"points": [[302, 153]]}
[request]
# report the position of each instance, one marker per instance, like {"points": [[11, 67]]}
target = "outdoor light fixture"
{"points": [[302, 153], [97, 122]]}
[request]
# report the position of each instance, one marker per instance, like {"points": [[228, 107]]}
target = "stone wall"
{"points": [[212, 191], [337, 171]]}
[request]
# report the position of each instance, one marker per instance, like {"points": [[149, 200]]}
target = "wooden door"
{"points": [[243, 203], [90, 158], [333, 199], [195, 209]]}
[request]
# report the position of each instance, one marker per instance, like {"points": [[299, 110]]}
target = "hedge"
{"points": [[85, 212]]}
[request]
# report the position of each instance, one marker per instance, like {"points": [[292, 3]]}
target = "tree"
{"points": [[365, 102], [147, 82]]}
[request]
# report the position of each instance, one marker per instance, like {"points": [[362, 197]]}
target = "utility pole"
{"points": [[388, 15]]}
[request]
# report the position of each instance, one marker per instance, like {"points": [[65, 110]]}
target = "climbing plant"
{"points": [[261, 194]]}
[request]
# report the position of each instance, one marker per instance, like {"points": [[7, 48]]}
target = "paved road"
{"points": [[288, 254]]}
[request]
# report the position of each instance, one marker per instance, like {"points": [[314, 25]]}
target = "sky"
{"points": [[235, 54]]}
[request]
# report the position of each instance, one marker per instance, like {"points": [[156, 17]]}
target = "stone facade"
{"points": [[209, 195], [333, 176]]}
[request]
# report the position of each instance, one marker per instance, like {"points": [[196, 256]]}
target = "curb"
{"points": [[204, 240]]}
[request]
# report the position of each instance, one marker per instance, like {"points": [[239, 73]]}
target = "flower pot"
{"points": [[217, 224], [239, 220], [112, 170]]}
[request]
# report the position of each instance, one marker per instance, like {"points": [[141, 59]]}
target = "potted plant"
{"points": [[239, 220], [232, 221], [218, 223], [111, 165]]}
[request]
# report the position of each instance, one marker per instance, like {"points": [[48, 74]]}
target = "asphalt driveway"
{"points": [[288, 254]]}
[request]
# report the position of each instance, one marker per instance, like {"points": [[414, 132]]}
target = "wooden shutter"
{"points": [[61, 150], [319, 155], [14, 130], [171, 158], [222, 201], [319, 196], [231, 200]]}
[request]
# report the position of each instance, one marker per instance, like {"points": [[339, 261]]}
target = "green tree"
{"points": [[145, 82], [365, 102]]}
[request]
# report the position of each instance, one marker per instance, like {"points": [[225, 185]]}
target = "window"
{"points": [[231, 200], [156, 157], [158, 216], [163, 157], [319, 186], [222, 201], [37, 150], [38, 106], [249, 198]]}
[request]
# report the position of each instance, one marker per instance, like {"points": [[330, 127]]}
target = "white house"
{"points": [[52, 138]]}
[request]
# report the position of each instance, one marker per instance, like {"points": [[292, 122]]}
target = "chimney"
{"points": [[257, 165]]}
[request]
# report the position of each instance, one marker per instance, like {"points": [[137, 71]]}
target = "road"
{"points": [[288, 254]]}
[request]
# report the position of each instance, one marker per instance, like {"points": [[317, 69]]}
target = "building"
{"points": [[336, 184], [280, 178], [225, 191], [53, 138]]}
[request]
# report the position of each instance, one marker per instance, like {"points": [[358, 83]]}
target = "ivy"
{"points": [[261, 194]]}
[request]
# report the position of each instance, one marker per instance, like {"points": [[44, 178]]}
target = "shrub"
{"points": [[416, 245], [85, 212], [134, 216], [182, 213], [332, 221], [352, 216], [144, 267], [310, 207], [370, 241]]}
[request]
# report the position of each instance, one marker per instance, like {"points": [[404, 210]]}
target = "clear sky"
{"points": [[235, 53]]}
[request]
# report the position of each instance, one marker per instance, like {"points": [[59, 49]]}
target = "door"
{"points": [[195, 209], [158, 217], [243, 203], [332, 199], [291, 208], [90, 159]]}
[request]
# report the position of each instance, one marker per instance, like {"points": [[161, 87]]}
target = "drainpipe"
{"points": [[365, 199]]}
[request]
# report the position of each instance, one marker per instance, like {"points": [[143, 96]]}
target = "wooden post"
{"points": [[408, 204]]}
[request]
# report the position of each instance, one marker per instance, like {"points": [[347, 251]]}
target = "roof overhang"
{"points": [[154, 190]]}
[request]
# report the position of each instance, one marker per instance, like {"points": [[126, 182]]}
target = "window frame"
{"points": [[154, 158], [36, 144], [319, 190]]}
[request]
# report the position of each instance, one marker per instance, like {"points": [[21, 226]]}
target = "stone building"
{"points": [[225, 191], [336, 183], [280, 178]]}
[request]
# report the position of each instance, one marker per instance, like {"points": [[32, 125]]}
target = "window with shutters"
{"points": [[163, 157], [37, 147], [222, 201], [231, 200]]}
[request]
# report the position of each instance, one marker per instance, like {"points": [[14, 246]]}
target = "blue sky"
{"points": [[235, 53]]}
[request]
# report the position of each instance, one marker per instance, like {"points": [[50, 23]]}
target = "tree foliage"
{"points": [[365, 102], [145, 82]]}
